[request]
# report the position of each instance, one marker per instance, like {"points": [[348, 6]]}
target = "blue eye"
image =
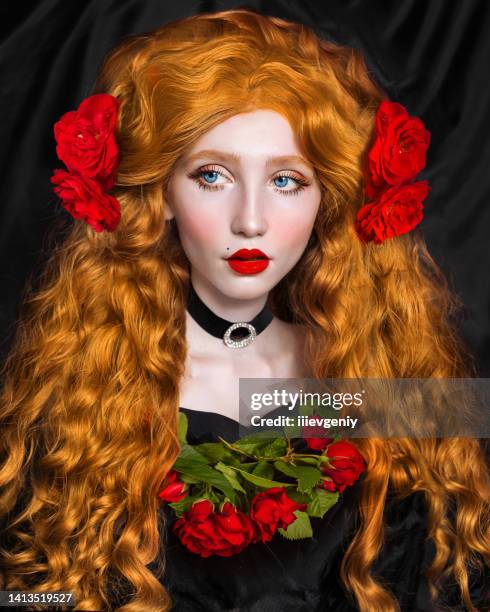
{"points": [[206, 177], [282, 179], [210, 176]]}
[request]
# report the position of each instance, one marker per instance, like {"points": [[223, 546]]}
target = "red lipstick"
{"points": [[248, 261]]}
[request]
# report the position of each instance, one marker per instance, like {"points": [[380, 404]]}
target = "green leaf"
{"points": [[213, 451], [218, 480], [192, 463], [213, 497], [231, 475], [293, 431], [310, 460], [321, 502], [298, 497], [257, 436], [286, 468], [264, 469], [183, 425], [184, 504], [189, 479], [307, 477], [299, 529], [306, 409], [188, 456], [248, 467], [262, 482], [261, 446]]}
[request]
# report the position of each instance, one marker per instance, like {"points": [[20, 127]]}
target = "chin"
{"points": [[244, 287]]}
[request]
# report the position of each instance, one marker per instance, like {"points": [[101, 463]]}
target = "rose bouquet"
{"points": [[229, 495]]}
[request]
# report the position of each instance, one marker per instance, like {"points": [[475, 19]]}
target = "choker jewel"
{"points": [[221, 328]]}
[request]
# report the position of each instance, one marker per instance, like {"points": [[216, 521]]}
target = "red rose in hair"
{"points": [[85, 139], [396, 212], [207, 533], [175, 489], [399, 150], [346, 465], [84, 199], [272, 509]]}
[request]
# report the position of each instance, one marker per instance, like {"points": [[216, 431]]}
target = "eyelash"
{"points": [[195, 176]]}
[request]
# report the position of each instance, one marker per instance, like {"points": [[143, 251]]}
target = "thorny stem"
{"points": [[287, 457]]}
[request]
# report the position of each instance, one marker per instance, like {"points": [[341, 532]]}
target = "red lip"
{"points": [[248, 254], [248, 261]]}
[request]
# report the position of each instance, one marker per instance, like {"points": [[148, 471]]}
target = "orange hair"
{"points": [[101, 343]]}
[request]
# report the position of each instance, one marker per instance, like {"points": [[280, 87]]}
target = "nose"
{"points": [[249, 217]]}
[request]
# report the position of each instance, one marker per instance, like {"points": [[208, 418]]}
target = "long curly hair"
{"points": [[100, 343]]}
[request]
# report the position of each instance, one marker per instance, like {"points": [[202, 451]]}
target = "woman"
{"points": [[110, 346]]}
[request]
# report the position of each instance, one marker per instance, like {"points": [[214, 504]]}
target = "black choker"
{"points": [[221, 328]]}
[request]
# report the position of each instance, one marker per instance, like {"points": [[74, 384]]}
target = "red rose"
{"points": [[84, 199], [309, 433], [317, 444], [328, 485], [206, 533], [199, 511], [85, 139], [345, 467], [399, 150], [272, 509], [396, 212], [175, 489]]}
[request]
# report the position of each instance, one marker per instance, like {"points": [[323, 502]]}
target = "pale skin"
{"points": [[246, 163]]}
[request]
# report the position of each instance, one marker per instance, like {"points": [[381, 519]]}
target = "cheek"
{"points": [[293, 234], [294, 225], [194, 221], [197, 228]]}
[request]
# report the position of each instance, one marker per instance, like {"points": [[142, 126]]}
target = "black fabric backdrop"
{"points": [[433, 56]]}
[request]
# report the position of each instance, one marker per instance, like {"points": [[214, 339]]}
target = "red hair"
{"points": [[102, 342]]}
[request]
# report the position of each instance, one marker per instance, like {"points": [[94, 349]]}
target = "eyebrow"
{"points": [[224, 156]]}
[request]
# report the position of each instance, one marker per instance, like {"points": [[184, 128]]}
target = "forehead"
{"points": [[260, 133]]}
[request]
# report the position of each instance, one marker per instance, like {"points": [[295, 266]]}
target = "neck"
{"points": [[226, 307]]}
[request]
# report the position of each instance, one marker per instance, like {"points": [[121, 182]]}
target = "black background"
{"points": [[433, 56]]}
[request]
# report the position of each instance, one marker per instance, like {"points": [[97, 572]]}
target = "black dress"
{"points": [[303, 575]]}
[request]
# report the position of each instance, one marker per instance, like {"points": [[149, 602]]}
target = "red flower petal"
{"points": [[397, 211], [345, 466], [399, 149], [84, 199], [272, 509], [222, 533], [86, 140]]}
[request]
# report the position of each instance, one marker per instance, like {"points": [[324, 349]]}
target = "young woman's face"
{"points": [[244, 185]]}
